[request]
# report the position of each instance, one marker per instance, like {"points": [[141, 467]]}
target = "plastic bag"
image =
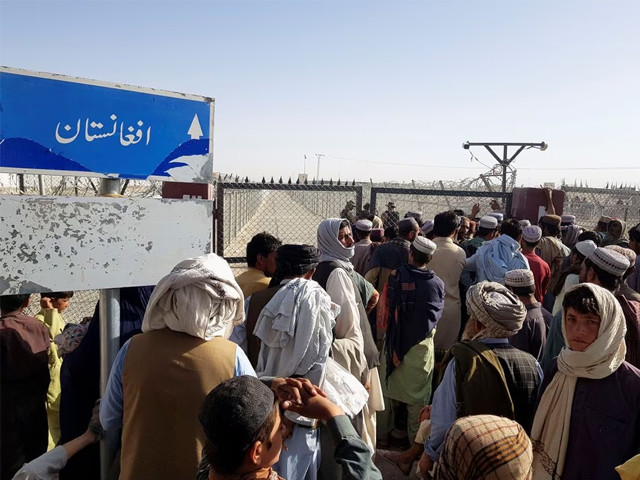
{"points": [[344, 389]]}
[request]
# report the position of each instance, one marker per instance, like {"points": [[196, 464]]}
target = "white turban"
{"points": [[199, 297]]}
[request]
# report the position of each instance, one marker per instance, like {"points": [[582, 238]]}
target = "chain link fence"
{"points": [[589, 204], [291, 212], [431, 202]]}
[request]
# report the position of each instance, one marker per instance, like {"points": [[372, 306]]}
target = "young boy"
{"points": [[242, 422], [52, 305]]}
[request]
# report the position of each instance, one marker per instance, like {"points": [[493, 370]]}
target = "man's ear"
{"points": [[254, 453]]}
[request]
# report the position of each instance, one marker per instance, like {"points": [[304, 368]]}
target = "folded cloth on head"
{"points": [[497, 308], [199, 297]]}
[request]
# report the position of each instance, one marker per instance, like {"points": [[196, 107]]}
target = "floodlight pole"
{"points": [[506, 160]]}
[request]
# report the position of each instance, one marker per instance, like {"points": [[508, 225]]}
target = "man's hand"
{"points": [[475, 210], [45, 302], [290, 389], [313, 406], [425, 413], [425, 465]]}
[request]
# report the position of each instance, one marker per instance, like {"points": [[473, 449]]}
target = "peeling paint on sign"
{"points": [[69, 243]]}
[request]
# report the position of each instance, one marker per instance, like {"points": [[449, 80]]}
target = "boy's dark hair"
{"points": [[607, 280], [589, 235], [445, 223], [234, 415], [551, 229], [532, 244], [511, 228], [581, 300], [57, 295], [459, 212], [391, 232], [523, 291], [225, 459], [261, 244], [344, 223], [420, 257], [8, 303]]}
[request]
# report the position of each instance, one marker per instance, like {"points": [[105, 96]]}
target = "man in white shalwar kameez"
{"points": [[295, 330]]}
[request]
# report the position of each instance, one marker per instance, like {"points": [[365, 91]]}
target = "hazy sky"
{"points": [[366, 83]]}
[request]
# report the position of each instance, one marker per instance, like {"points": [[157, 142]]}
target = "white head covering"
{"points": [[331, 250], [427, 226], [524, 223], [424, 245], [610, 261], [627, 252], [519, 278], [497, 215], [532, 233], [199, 297], [364, 225], [550, 431], [586, 247], [488, 221]]}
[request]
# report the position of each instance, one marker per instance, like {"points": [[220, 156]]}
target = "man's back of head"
{"points": [[511, 228], [259, 250], [445, 224]]}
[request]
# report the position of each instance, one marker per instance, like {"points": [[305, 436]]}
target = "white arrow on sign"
{"points": [[195, 131]]}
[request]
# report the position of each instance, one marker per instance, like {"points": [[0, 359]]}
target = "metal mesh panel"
{"points": [[82, 304], [589, 204], [432, 202], [290, 212]]}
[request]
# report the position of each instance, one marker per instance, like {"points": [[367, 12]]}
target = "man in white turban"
{"points": [[588, 419], [160, 378], [484, 373]]}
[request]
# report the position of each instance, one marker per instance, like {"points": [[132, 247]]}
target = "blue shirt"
{"points": [[112, 399], [443, 406]]}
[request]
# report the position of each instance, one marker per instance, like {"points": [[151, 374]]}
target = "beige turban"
{"points": [[497, 308]]}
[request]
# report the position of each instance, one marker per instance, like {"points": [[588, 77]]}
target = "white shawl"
{"points": [[199, 297], [550, 431]]}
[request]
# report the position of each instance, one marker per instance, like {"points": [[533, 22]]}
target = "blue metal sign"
{"points": [[70, 126]]}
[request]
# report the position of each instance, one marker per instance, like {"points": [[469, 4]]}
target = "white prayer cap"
{"points": [[424, 245], [497, 215], [519, 278], [586, 247], [568, 219], [524, 223], [627, 252], [532, 233], [427, 226], [488, 221], [610, 261], [364, 225]]}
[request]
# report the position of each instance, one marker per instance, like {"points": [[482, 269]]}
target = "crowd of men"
{"points": [[453, 348]]}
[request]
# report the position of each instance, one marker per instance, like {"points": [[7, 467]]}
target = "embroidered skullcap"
{"points": [[568, 219], [551, 220], [532, 233], [233, 413], [480, 447], [524, 223], [296, 259], [519, 278], [497, 215], [407, 224], [488, 221], [497, 308], [586, 247], [424, 245], [610, 261], [364, 225], [427, 226], [627, 252]]}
